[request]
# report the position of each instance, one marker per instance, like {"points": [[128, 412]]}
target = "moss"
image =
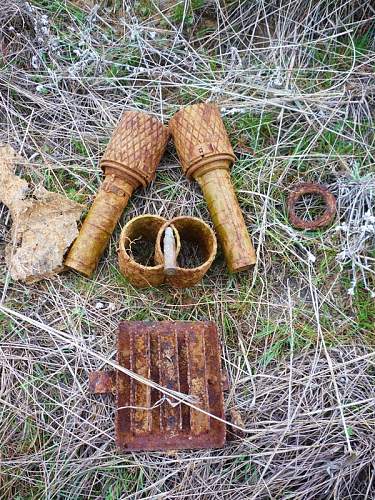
{"points": [[184, 11], [80, 147], [364, 308], [248, 130], [62, 8], [144, 8]]}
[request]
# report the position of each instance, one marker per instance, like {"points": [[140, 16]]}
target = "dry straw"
{"points": [[294, 84]]}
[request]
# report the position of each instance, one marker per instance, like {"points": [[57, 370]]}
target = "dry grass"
{"points": [[295, 81]]}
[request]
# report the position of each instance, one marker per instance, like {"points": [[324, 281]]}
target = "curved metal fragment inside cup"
{"points": [[169, 251], [198, 248]]}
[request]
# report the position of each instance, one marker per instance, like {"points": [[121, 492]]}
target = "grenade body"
{"points": [[206, 155], [226, 215], [98, 225], [130, 161]]}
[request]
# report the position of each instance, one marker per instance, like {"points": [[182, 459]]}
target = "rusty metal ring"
{"points": [[311, 188]]}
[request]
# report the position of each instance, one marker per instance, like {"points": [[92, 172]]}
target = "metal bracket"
{"points": [[181, 356]]}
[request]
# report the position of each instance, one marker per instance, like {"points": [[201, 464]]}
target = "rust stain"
{"points": [[130, 160], [182, 356], [152, 228], [205, 154], [102, 382], [311, 188]]}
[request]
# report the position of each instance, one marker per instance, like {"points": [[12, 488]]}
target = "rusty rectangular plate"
{"points": [[183, 356]]}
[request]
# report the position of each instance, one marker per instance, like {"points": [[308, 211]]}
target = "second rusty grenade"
{"points": [[205, 153], [130, 160]]}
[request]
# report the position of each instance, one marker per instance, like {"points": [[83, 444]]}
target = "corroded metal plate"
{"points": [[182, 356]]}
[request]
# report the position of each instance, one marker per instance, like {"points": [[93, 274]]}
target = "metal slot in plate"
{"points": [[182, 356]]}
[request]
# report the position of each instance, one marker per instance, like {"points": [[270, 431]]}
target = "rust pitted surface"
{"points": [[198, 383], [141, 393], [200, 136], [227, 217], [135, 232], [311, 188], [130, 160], [206, 154], [181, 356], [152, 228], [136, 147], [102, 382], [100, 222]]}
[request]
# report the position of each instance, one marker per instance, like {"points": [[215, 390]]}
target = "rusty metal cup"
{"points": [[151, 229]]}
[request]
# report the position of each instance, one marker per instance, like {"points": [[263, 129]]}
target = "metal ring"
{"points": [[311, 188]]}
